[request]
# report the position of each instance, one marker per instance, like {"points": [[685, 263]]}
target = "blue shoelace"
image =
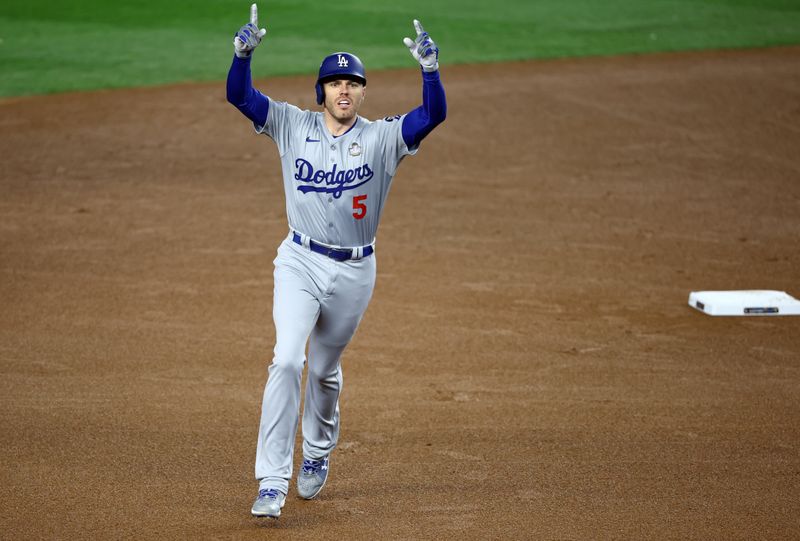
{"points": [[312, 466], [268, 493]]}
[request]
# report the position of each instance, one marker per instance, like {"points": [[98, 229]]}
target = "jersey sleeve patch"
{"points": [[392, 143]]}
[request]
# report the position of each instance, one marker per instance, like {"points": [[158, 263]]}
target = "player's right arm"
{"points": [[252, 103]]}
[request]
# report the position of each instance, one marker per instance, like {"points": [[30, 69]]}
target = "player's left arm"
{"points": [[420, 122]]}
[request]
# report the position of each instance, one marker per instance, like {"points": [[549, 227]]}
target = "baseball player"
{"points": [[337, 171]]}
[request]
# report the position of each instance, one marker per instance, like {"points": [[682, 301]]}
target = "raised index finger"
{"points": [[254, 14], [418, 27]]}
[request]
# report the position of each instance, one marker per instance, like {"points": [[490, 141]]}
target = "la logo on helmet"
{"points": [[342, 61]]}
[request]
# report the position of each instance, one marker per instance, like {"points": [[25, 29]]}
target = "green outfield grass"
{"points": [[88, 44]]}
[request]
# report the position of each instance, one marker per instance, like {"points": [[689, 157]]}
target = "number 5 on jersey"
{"points": [[359, 208]]}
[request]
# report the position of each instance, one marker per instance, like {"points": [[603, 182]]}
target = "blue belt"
{"points": [[339, 254]]}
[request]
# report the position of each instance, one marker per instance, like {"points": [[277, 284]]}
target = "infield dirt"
{"points": [[528, 368]]}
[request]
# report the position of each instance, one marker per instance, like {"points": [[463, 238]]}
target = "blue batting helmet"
{"points": [[339, 65]]}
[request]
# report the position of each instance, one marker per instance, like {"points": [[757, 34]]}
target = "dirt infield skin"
{"points": [[528, 367]]}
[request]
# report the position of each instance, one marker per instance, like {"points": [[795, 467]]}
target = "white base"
{"points": [[745, 303]]}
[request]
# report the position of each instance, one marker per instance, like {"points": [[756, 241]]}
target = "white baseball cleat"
{"points": [[269, 503], [312, 477]]}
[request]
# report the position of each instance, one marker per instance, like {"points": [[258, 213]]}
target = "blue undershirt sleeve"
{"points": [[252, 103], [420, 122]]}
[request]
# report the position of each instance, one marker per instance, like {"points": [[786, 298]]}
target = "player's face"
{"points": [[343, 98]]}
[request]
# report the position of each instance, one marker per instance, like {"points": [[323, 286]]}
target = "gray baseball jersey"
{"points": [[335, 186]]}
